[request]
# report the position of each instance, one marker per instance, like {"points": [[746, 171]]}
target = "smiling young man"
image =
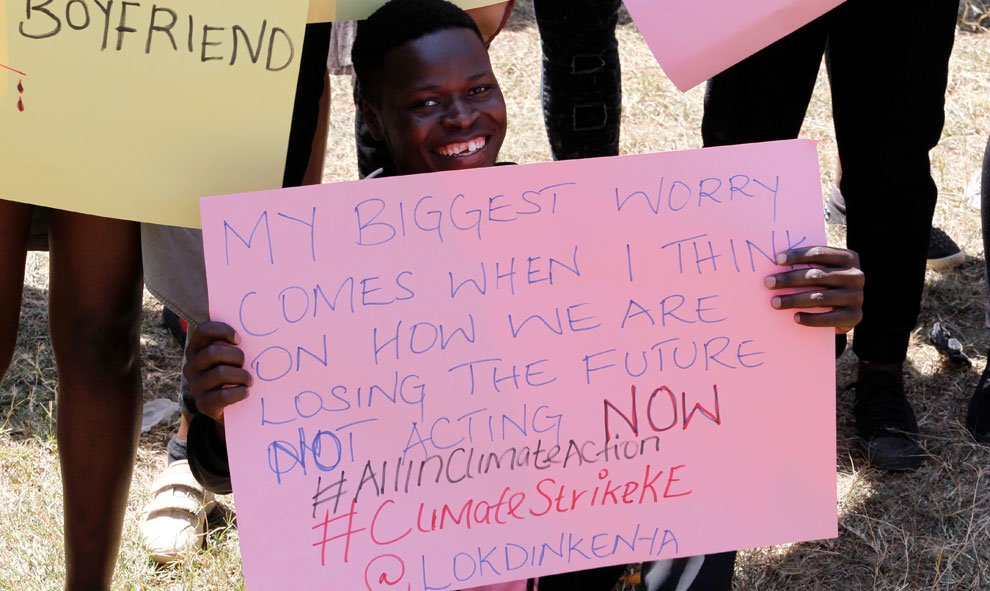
{"points": [[429, 93], [436, 103]]}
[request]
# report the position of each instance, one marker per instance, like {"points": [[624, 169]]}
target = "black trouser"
{"points": [[888, 80], [582, 93]]}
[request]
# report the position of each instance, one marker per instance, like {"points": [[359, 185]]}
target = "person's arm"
{"points": [[217, 378], [491, 19]]}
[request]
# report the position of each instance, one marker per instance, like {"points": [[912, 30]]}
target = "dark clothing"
{"points": [[711, 572], [582, 91], [207, 454], [306, 109], [888, 94]]}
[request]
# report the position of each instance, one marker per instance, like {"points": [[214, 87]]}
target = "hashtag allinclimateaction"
{"points": [[399, 476]]}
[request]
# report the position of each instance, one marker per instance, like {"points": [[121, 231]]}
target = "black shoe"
{"points": [[978, 417], [943, 252], [886, 424]]}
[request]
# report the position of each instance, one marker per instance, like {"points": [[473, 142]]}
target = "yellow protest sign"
{"points": [[322, 11], [134, 109]]}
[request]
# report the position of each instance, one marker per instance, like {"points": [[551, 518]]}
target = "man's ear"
{"points": [[372, 118]]}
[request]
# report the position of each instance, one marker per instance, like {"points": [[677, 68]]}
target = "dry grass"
{"points": [[925, 530]]}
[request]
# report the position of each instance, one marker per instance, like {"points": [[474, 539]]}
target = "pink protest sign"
{"points": [[484, 376], [693, 40]]}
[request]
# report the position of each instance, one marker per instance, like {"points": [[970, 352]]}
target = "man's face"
{"points": [[440, 106]]}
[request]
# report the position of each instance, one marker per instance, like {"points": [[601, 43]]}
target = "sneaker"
{"points": [[943, 252], [978, 417], [885, 423], [173, 524]]}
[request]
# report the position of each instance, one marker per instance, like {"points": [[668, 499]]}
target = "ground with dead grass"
{"points": [[925, 530]]}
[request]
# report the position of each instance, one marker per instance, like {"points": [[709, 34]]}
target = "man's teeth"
{"points": [[460, 149]]}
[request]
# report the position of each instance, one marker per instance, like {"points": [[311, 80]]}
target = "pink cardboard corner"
{"points": [[693, 41]]}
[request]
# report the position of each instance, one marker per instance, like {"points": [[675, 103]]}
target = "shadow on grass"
{"points": [[924, 529]]}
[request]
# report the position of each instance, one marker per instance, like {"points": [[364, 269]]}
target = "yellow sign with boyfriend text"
{"points": [[135, 109]]}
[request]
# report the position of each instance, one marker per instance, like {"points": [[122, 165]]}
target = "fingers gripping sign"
{"points": [[828, 278], [215, 369]]}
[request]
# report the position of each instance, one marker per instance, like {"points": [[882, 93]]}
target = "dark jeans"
{"points": [[582, 91], [888, 74]]}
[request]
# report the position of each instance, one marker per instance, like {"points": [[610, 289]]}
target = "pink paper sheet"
{"points": [[694, 40], [540, 311]]}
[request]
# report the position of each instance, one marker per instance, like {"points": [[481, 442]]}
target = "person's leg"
{"points": [[765, 97], [888, 88], [95, 315], [306, 111], [582, 90], [978, 415], [15, 226]]}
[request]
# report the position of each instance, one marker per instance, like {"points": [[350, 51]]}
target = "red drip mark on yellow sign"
{"points": [[20, 86], [5, 67]]}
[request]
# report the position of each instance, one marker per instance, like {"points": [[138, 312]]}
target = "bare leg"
{"points": [[15, 224], [95, 300]]}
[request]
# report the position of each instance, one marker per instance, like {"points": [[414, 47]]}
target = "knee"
{"points": [[98, 343]]}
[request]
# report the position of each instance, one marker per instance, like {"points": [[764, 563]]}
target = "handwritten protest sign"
{"points": [[473, 377], [137, 109], [693, 41]]}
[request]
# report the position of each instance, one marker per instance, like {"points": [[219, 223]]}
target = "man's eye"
{"points": [[427, 103], [480, 90]]}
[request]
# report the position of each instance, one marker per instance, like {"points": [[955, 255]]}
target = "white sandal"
{"points": [[174, 522]]}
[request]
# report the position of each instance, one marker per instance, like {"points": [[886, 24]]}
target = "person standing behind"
{"points": [[888, 74]]}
